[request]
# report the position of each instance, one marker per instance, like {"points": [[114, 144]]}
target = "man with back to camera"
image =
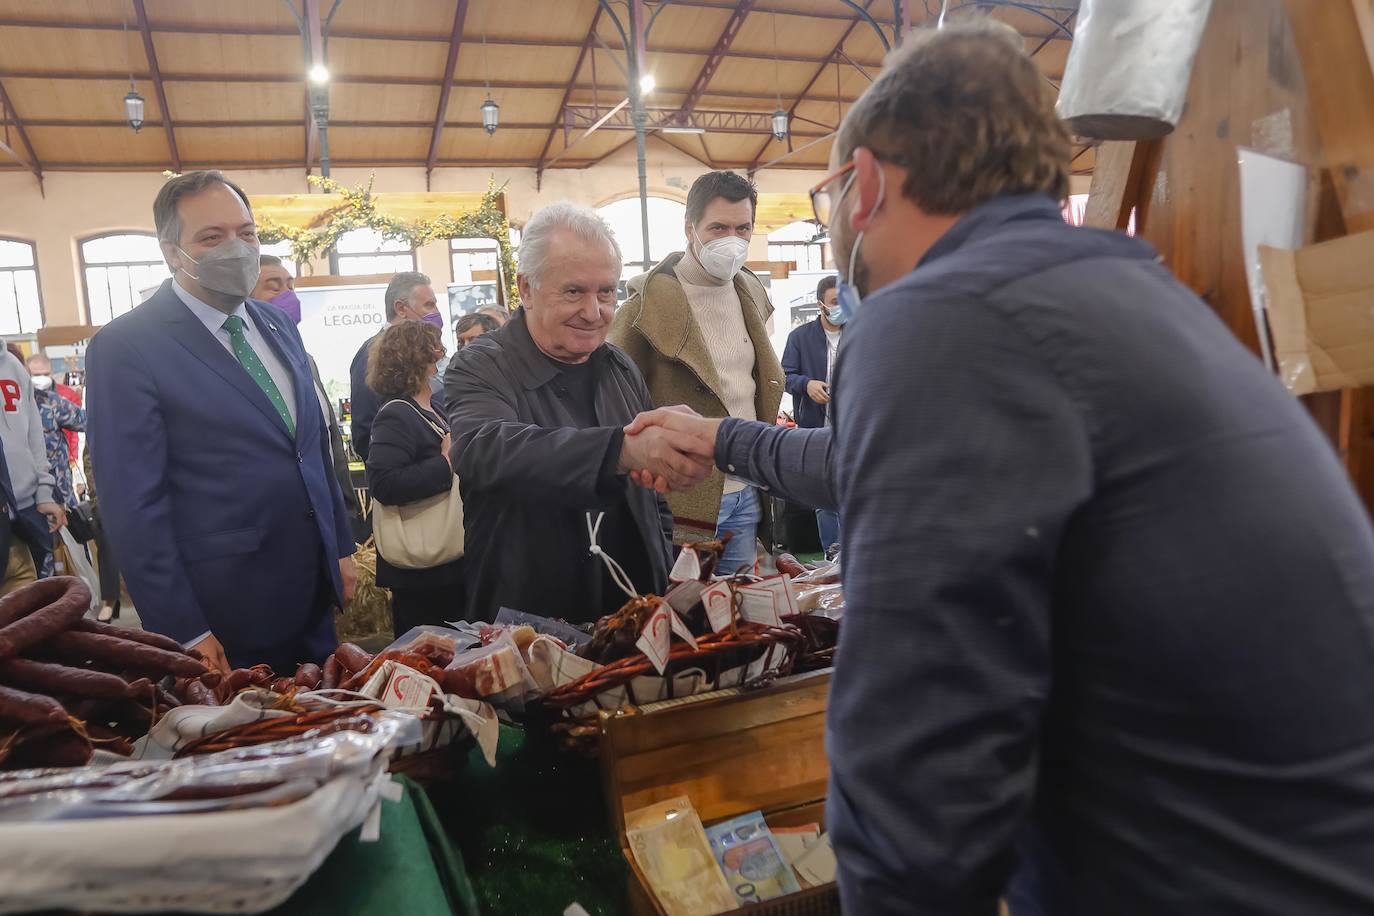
{"points": [[1110, 593], [277, 286], [408, 297], [696, 325], [537, 410], [210, 452], [809, 359]]}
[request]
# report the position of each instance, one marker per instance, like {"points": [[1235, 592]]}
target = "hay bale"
{"points": [[368, 615]]}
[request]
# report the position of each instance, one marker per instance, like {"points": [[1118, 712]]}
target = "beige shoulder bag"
{"points": [[425, 533]]}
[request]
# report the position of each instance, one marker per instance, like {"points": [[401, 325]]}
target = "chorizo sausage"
{"points": [[308, 676], [330, 678], [30, 708], [352, 658], [282, 685], [64, 749], [111, 650], [156, 640], [46, 610], [55, 680], [239, 678], [261, 676]]}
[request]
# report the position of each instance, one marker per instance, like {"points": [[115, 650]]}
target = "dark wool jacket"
{"points": [[529, 476]]}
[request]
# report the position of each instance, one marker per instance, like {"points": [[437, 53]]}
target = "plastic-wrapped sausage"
{"points": [[30, 708], [330, 678], [197, 694], [55, 680], [111, 650], [308, 676], [46, 608]]}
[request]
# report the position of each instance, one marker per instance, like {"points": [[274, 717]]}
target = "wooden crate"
{"points": [[730, 752]]}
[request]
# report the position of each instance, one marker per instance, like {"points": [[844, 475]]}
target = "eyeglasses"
{"points": [[823, 200]]}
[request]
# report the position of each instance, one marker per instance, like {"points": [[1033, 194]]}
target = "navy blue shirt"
{"points": [[1110, 594]]}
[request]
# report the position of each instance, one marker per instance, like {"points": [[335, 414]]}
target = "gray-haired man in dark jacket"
{"points": [[538, 409], [1110, 594]]}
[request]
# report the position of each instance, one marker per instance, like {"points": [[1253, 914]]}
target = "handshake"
{"points": [[670, 449]]}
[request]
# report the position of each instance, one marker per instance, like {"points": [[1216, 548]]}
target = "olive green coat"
{"points": [[657, 329]]}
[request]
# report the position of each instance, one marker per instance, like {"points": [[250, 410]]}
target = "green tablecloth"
{"points": [[533, 832]]}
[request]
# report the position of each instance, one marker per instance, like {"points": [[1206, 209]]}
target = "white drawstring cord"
{"points": [[618, 575]]}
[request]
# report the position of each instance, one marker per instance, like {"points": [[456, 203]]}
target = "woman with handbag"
{"points": [[416, 511]]}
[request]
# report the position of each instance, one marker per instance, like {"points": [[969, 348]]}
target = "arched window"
{"points": [[117, 272], [665, 231], [364, 251], [21, 303]]}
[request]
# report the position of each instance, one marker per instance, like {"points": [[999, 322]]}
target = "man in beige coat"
{"points": [[696, 325]]}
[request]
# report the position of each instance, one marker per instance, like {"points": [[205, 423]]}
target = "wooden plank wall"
{"points": [[1249, 89]]}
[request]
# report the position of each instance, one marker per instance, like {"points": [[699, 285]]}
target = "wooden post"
{"points": [[1335, 44]]}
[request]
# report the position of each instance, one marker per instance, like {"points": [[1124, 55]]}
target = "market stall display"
{"points": [[69, 685]]}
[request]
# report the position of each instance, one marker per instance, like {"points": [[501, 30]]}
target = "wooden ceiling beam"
{"points": [[801, 96], [567, 93], [713, 60], [234, 78], [354, 163], [151, 53], [263, 123], [455, 42], [33, 165]]}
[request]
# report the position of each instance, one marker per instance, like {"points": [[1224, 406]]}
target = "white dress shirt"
{"points": [[213, 319]]}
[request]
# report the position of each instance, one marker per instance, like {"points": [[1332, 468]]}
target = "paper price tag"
{"points": [[767, 602], [716, 599], [756, 605], [655, 640], [681, 630], [683, 596], [687, 567]]}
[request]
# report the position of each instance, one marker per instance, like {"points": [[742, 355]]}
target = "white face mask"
{"points": [[723, 258], [42, 382]]}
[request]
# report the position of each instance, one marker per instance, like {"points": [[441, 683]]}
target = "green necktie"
{"points": [[256, 370]]}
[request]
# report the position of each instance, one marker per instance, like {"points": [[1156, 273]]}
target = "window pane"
{"points": [[282, 250], [15, 253], [9, 307], [30, 312], [97, 296], [114, 249]]}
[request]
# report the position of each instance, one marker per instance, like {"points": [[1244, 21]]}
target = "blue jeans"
{"points": [[739, 514], [828, 521]]}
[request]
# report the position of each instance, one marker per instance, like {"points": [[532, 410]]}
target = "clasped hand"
{"points": [[670, 449]]}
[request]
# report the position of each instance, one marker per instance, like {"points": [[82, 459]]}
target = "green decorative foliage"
{"points": [[359, 211]]}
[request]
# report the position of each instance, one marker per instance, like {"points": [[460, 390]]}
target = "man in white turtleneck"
{"points": [[696, 325]]}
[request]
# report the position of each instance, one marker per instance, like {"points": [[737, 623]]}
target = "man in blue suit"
{"points": [[210, 452], [808, 359]]}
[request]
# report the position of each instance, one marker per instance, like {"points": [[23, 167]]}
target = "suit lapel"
{"points": [[301, 378], [188, 331]]}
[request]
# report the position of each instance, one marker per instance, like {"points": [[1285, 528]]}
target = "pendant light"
{"points": [[491, 112], [779, 120], [133, 102], [133, 108]]}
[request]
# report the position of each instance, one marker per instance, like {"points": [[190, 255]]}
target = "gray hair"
{"points": [[565, 215], [400, 287], [165, 215]]}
